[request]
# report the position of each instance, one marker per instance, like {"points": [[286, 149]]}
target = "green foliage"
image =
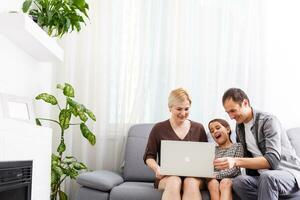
{"points": [[57, 17], [62, 166]]}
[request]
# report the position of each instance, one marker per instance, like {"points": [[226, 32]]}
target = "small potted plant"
{"points": [[57, 17]]}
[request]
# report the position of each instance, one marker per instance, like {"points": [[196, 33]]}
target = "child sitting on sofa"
{"points": [[221, 186]]}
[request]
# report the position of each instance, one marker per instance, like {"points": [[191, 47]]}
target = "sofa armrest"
{"points": [[100, 180]]}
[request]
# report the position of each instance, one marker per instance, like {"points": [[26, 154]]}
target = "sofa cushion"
{"points": [[135, 191], [141, 190], [134, 167], [101, 180], [294, 136], [85, 193]]}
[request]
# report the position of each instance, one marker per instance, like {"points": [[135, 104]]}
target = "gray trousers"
{"points": [[270, 185]]}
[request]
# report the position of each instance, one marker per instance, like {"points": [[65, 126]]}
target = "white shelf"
{"points": [[21, 30]]}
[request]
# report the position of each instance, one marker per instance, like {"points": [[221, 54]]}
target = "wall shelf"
{"points": [[21, 30]]}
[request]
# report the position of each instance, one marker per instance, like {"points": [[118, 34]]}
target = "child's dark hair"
{"points": [[223, 123]]}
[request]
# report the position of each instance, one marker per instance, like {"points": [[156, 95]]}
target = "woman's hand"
{"points": [[157, 173], [155, 167]]}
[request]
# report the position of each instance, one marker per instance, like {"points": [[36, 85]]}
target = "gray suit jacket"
{"points": [[273, 143]]}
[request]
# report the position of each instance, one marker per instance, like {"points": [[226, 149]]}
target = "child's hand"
{"points": [[215, 175]]}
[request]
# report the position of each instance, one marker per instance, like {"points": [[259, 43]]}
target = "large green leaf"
{"points": [[73, 173], [81, 114], [77, 26], [87, 134], [69, 160], [69, 90], [90, 113], [77, 109], [72, 107], [79, 166], [55, 158], [74, 111], [54, 177], [64, 118], [62, 195], [62, 147], [47, 98], [26, 5], [71, 102], [56, 169], [79, 3]]}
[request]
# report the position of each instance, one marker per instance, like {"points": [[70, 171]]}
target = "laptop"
{"points": [[186, 158]]}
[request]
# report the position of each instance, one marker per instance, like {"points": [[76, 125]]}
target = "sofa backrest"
{"points": [[294, 136], [134, 167]]}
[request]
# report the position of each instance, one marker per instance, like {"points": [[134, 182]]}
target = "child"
{"points": [[221, 186]]}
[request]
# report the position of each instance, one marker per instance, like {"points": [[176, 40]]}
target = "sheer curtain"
{"points": [[130, 55]]}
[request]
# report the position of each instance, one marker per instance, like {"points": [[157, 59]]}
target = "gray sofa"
{"points": [[136, 181]]}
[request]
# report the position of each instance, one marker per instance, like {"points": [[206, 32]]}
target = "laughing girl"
{"points": [[221, 186]]}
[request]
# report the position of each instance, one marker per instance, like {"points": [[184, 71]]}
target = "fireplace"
{"points": [[15, 180]]}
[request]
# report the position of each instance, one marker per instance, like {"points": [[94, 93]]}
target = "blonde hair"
{"points": [[178, 95]]}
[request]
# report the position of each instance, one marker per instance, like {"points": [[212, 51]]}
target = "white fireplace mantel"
{"points": [[25, 33], [24, 141]]}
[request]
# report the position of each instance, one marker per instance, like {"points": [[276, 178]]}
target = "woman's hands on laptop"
{"points": [[157, 172], [155, 167], [224, 163]]}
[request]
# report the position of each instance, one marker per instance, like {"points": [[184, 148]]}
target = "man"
{"points": [[272, 166]]}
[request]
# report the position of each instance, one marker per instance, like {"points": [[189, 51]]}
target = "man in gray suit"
{"points": [[272, 166]]}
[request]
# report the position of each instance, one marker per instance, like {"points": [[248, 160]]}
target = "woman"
{"points": [[221, 186], [178, 127]]}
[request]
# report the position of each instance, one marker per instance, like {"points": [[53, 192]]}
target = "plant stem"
{"points": [[60, 182], [62, 139], [45, 119], [59, 107]]}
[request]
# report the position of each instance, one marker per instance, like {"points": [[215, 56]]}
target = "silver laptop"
{"points": [[184, 158]]}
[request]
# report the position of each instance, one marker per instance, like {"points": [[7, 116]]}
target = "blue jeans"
{"points": [[270, 185]]}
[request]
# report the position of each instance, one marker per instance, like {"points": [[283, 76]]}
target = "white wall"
{"points": [[10, 5], [282, 60], [20, 73], [23, 75]]}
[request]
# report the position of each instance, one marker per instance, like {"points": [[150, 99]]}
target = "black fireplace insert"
{"points": [[15, 180]]}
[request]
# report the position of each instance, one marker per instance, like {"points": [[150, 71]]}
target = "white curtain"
{"points": [[124, 63]]}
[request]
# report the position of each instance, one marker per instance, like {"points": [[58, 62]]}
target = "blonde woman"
{"points": [[177, 127]]}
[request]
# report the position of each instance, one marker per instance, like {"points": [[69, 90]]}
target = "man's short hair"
{"points": [[236, 94]]}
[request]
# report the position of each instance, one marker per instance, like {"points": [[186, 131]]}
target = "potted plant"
{"points": [[57, 17], [63, 166]]}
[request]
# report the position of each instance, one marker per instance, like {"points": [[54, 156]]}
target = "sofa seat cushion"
{"points": [[85, 193], [100, 180], [135, 191]]}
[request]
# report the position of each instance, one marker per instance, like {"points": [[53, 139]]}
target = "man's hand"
{"points": [[224, 163]]}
